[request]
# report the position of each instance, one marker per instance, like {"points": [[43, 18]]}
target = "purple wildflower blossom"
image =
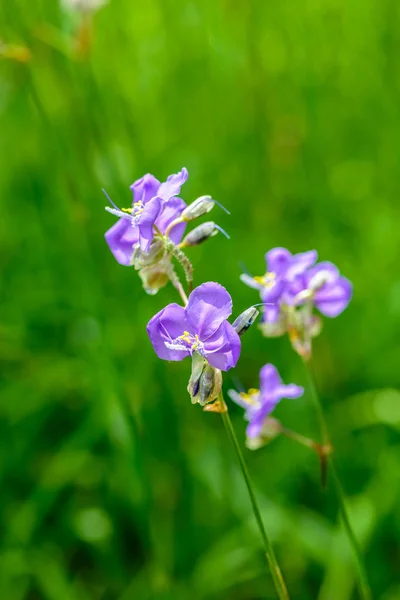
{"points": [[329, 291], [259, 404], [282, 268], [154, 203], [201, 327]]}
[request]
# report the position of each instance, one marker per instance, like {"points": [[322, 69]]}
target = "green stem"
{"points": [[364, 588], [185, 264], [269, 551]]}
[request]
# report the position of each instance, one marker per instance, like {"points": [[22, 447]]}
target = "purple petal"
{"points": [[146, 223], [172, 186], [121, 238], [209, 305], [165, 326], [171, 210], [222, 349], [145, 188], [254, 428], [269, 378], [271, 313], [331, 271], [289, 391], [333, 298], [274, 292], [278, 259], [176, 233], [300, 263], [294, 287]]}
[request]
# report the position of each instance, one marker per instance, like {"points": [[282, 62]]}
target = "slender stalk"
{"points": [[276, 573], [172, 225], [174, 279], [269, 551], [185, 264], [363, 585]]}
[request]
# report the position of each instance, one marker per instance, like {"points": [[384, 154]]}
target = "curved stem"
{"points": [[174, 279], [172, 225], [269, 551], [364, 588], [186, 265], [276, 573]]}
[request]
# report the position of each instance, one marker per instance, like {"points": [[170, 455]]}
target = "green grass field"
{"points": [[113, 486]]}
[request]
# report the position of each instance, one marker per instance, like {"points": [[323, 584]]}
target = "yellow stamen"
{"points": [[185, 337], [196, 342], [250, 396], [267, 280], [127, 210]]}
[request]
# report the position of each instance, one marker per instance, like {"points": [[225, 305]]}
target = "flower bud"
{"points": [[245, 320], [200, 234], [154, 277], [210, 385], [205, 382], [142, 259], [199, 207]]}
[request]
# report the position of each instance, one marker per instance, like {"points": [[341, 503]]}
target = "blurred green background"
{"points": [[113, 486]]}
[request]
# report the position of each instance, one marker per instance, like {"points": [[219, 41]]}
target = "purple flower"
{"points": [[282, 268], [324, 286], [154, 203], [259, 404], [201, 327]]}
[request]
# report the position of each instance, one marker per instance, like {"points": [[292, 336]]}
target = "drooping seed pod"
{"points": [[142, 259], [199, 207], [205, 382], [155, 276], [245, 320], [200, 234]]}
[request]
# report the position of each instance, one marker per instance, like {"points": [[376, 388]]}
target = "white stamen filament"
{"points": [[320, 279]]}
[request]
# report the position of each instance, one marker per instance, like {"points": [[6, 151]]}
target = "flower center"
{"points": [[268, 280], [186, 341], [251, 397], [134, 212], [138, 208]]}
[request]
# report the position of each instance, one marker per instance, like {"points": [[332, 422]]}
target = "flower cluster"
{"points": [[259, 404], [154, 204], [291, 288], [149, 233], [200, 330]]}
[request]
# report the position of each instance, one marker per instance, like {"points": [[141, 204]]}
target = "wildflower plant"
{"points": [[291, 289], [150, 237]]}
